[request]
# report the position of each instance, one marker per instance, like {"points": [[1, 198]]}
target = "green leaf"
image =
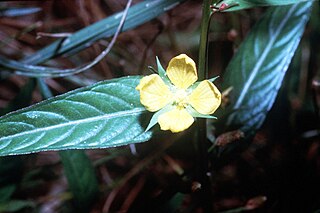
{"points": [[80, 174], [6, 192], [103, 115], [245, 4], [257, 70]]}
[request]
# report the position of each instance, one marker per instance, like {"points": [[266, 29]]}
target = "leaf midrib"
{"points": [[81, 121], [259, 63]]}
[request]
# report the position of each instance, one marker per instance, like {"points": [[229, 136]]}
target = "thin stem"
{"points": [[203, 48], [204, 194]]}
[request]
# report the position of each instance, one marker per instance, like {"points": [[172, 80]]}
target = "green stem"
{"points": [[203, 48], [204, 195]]}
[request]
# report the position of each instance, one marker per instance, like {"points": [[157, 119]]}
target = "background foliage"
{"points": [[263, 151]]}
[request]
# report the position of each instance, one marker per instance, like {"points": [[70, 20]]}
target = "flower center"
{"points": [[180, 98]]}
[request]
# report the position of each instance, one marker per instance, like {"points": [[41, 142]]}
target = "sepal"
{"points": [[196, 114], [154, 119], [162, 73]]}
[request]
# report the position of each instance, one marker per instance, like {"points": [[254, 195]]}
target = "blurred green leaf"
{"points": [[315, 19], [257, 70], [11, 167], [6, 192], [16, 205], [137, 15], [103, 115], [80, 174], [173, 205], [245, 4], [16, 11]]}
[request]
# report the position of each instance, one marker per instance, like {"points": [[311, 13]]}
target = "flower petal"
{"points": [[175, 120], [154, 93], [182, 71], [205, 98]]}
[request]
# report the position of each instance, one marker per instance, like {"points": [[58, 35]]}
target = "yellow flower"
{"points": [[176, 97]]}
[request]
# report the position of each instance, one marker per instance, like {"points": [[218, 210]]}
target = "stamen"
{"points": [[180, 98]]}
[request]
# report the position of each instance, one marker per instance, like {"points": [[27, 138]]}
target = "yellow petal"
{"points": [[175, 120], [154, 93], [182, 71], [205, 98]]}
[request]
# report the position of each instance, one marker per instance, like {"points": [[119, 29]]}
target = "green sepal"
{"points": [[154, 119], [213, 79], [194, 85], [196, 114], [162, 73]]}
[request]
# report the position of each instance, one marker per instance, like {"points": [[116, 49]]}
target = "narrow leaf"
{"points": [[80, 174], [137, 15], [15, 11], [6, 192], [106, 114], [245, 4], [257, 70], [16, 205]]}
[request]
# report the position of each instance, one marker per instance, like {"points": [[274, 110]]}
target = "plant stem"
{"points": [[203, 47], [204, 194]]}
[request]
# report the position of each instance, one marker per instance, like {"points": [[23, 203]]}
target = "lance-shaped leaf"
{"points": [[137, 15], [245, 4], [106, 114], [257, 70]]}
